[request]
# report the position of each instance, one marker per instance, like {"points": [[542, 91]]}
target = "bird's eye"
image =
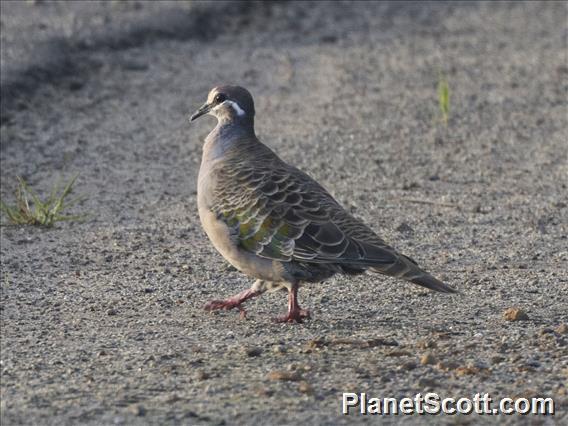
{"points": [[220, 97]]}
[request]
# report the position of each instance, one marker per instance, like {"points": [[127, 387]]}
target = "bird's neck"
{"points": [[225, 136]]}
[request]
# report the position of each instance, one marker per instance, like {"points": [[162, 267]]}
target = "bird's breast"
{"points": [[246, 262], [220, 234]]}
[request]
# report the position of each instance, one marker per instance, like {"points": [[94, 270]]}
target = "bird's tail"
{"points": [[428, 281], [406, 268]]}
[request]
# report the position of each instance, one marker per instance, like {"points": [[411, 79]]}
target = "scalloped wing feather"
{"points": [[279, 212]]}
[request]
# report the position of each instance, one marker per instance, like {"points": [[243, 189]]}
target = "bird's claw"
{"points": [[232, 302], [297, 315], [215, 305]]}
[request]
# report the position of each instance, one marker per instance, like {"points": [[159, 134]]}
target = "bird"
{"points": [[275, 223]]}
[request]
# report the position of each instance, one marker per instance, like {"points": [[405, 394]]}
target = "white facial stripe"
{"points": [[236, 107], [240, 112]]}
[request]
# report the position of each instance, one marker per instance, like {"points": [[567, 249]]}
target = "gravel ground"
{"points": [[102, 321]]}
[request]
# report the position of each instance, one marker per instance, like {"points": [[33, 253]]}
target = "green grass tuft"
{"points": [[30, 209], [444, 98]]}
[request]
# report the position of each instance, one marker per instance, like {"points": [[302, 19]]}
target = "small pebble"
{"points": [[398, 353], [515, 314], [405, 228], [428, 359], [202, 375], [137, 410], [253, 352], [285, 376], [533, 363], [305, 387], [497, 359], [408, 365], [263, 391], [279, 349], [466, 371]]}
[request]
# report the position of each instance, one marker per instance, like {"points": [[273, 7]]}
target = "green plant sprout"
{"points": [[444, 98], [30, 209]]}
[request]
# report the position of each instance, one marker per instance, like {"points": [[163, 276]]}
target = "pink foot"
{"points": [[214, 305], [232, 302], [298, 315], [295, 313]]}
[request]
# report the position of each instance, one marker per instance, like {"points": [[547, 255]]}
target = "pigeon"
{"points": [[275, 223]]}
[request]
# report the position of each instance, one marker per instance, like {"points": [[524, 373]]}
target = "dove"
{"points": [[276, 224]]}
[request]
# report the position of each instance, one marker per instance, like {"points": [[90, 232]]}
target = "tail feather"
{"points": [[407, 269], [428, 281]]}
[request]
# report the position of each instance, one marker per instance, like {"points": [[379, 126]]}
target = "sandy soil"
{"points": [[102, 321]]}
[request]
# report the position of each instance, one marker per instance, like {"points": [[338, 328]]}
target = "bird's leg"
{"points": [[259, 287], [233, 302], [295, 313]]}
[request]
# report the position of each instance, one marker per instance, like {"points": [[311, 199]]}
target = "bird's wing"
{"points": [[280, 213]]}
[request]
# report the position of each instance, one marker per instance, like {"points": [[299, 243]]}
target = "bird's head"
{"points": [[228, 104]]}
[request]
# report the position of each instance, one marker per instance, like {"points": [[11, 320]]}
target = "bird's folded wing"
{"points": [[283, 216]]}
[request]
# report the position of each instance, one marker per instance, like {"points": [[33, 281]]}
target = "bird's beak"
{"points": [[201, 111]]}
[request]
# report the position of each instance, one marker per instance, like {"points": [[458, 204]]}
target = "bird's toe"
{"points": [[298, 316], [215, 305]]}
